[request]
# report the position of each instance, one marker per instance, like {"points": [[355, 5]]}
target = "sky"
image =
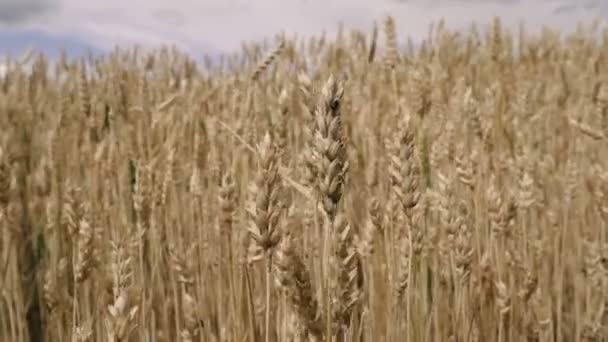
{"points": [[211, 27]]}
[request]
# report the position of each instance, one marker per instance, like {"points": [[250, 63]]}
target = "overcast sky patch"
{"points": [[219, 26], [15, 12]]}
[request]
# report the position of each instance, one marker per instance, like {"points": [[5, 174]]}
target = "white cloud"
{"points": [[211, 26]]}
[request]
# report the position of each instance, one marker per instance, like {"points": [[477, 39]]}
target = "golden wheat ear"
{"points": [[264, 64]]}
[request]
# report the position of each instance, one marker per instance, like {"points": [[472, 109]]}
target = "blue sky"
{"points": [[17, 41], [218, 26]]}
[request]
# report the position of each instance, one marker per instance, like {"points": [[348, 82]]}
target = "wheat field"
{"points": [[345, 188]]}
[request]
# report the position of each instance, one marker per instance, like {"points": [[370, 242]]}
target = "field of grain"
{"points": [[343, 188]]}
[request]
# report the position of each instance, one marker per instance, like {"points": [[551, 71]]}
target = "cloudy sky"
{"points": [[217, 26]]}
